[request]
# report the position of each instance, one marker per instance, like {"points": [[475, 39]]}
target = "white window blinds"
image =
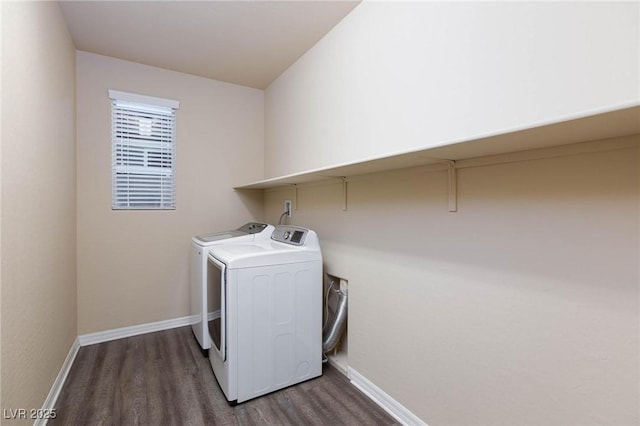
{"points": [[142, 151]]}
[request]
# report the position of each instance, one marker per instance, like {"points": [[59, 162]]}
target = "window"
{"points": [[143, 147]]}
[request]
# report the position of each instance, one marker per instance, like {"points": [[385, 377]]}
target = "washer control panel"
{"points": [[290, 234]]}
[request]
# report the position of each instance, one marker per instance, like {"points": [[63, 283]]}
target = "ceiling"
{"points": [[243, 42]]}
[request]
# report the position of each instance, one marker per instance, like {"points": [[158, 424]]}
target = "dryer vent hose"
{"points": [[335, 325]]}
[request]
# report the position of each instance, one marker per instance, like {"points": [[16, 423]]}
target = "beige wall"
{"points": [[1, 34], [38, 201], [133, 265], [399, 76], [521, 308]]}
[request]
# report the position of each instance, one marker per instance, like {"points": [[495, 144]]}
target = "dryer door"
{"points": [[216, 305]]}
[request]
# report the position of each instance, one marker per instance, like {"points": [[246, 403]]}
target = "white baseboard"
{"points": [[390, 405], [134, 330], [56, 388], [338, 366], [213, 315]]}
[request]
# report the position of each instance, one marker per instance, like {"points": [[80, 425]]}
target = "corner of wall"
{"points": [[38, 56]]}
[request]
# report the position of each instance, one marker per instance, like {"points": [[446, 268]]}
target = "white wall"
{"points": [[521, 308], [133, 265], [38, 214], [399, 76]]}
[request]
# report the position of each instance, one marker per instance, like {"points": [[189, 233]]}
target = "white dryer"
{"points": [[267, 327], [199, 251]]}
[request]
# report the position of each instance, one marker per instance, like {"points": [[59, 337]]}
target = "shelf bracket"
{"points": [[344, 193], [453, 185], [295, 196]]}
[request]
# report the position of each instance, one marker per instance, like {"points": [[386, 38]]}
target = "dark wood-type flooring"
{"points": [[163, 379]]}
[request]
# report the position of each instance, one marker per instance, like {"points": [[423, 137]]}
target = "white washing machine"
{"points": [[267, 326], [199, 252]]}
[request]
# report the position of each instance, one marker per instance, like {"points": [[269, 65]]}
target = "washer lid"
{"points": [[216, 236], [263, 253], [248, 232]]}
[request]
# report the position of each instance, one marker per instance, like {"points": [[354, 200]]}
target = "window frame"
{"points": [[143, 152]]}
